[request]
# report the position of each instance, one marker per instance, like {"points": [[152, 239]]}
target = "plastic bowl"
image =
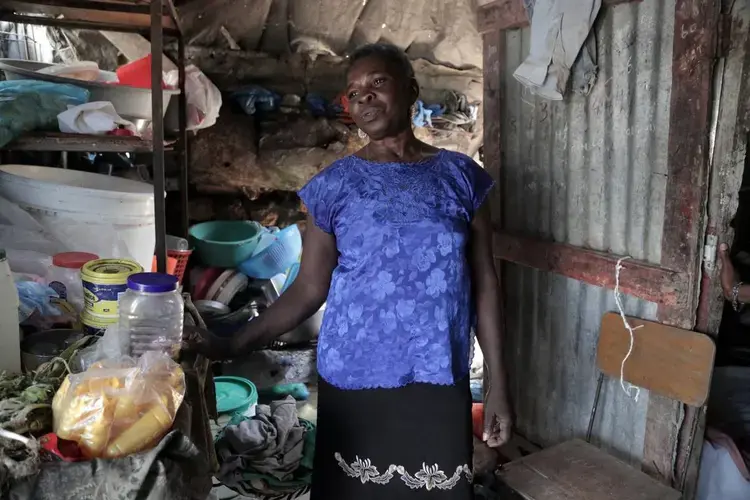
{"points": [[276, 257], [235, 395], [225, 243]]}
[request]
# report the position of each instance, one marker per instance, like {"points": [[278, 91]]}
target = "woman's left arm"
{"points": [[490, 325]]}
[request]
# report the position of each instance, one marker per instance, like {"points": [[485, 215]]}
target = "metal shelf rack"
{"points": [[155, 18]]}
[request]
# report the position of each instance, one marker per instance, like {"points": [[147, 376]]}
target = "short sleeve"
{"points": [[319, 196], [480, 183]]}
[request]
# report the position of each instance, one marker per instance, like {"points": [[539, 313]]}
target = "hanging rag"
{"points": [[559, 29]]}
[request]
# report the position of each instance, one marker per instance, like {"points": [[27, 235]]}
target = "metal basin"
{"points": [[307, 331], [131, 103], [38, 348]]}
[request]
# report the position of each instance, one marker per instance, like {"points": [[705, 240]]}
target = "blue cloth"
{"points": [[423, 115], [254, 98], [399, 308]]}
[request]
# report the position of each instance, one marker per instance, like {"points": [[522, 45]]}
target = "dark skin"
{"points": [[380, 100], [729, 277]]}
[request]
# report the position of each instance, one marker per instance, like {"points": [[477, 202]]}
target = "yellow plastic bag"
{"points": [[119, 407]]}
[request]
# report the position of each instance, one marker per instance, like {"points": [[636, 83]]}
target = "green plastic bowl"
{"points": [[225, 243], [234, 394]]}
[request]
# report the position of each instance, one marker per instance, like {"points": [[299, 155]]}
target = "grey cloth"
{"points": [[270, 443], [559, 30], [174, 470]]}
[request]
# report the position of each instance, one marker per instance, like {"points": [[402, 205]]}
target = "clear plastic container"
{"points": [[152, 314], [10, 335], [64, 276]]}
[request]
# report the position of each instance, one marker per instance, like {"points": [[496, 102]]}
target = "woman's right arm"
{"points": [[300, 301]]}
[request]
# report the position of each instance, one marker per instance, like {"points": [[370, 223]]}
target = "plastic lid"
{"points": [[234, 393], [152, 282], [73, 260]]}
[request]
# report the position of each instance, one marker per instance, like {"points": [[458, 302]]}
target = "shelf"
{"points": [[113, 15], [55, 141]]}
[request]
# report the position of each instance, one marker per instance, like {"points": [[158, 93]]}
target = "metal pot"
{"points": [[307, 331], [38, 348]]}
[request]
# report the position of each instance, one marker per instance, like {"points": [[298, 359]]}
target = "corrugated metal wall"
{"points": [[590, 172]]}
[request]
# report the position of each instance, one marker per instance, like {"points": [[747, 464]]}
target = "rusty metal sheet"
{"points": [[590, 172]]}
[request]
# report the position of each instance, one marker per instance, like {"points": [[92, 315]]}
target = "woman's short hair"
{"points": [[387, 52]]}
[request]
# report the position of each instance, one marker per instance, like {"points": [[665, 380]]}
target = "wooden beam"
{"points": [[694, 49], [494, 61], [510, 14], [78, 17], [501, 15], [639, 279]]}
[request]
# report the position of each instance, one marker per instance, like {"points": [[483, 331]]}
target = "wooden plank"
{"points": [[693, 59], [501, 15], [510, 14], [79, 143], [669, 361], [493, 51], [695, 26], [576, 470], [110, 17], [639, 279]]}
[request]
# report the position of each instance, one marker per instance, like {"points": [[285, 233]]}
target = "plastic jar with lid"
{"points": [[64, 276], [151, 314]]}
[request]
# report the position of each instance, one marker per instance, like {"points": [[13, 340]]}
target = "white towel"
{"points": [[559, 29]]}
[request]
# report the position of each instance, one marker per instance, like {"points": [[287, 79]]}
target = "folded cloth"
{"points": [[270, 452], [559, 29]]}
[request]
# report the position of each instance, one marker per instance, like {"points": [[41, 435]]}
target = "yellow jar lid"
{"points": [[110, 271]]}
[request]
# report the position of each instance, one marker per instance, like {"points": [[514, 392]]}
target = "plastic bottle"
{"points": [[151, 314], [10, 334], [64, 276]]}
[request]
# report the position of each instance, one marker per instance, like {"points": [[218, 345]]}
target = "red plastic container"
{"points": [[136, 73], [177, 261], [477, 419]]}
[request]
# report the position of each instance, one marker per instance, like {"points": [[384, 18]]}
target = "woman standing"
{"points": [[398, 243]]}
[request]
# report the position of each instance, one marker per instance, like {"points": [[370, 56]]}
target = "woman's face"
{"points": [[379, 98]]}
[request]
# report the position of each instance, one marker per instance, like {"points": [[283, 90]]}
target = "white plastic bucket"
{"points": [[109, 216]]}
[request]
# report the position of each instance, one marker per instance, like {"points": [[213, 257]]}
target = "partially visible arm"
{"points": [[489, 317], [729, 278], [303, 298]]}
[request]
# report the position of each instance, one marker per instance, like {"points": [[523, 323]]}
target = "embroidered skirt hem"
{"points": [[408, 443]]}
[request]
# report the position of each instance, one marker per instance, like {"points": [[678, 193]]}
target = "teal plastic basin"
{"points": [[225, 243]]}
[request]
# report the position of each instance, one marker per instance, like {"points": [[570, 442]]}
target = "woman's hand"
{"points": [[728, 274], [498, 421], [207, 344]]}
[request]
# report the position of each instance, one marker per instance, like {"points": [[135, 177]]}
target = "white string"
{"points": [[618, 300]]}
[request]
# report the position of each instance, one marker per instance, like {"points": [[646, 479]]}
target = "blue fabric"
{"points": [[423, 116], [399, 308]]}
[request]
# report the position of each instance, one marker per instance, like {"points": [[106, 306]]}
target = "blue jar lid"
{"points": [[152, 282]]}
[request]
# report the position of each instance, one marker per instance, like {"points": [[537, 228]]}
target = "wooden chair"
{"points": [[669, 361]]}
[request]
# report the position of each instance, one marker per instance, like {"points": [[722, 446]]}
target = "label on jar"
{"points": [[60, 288]]}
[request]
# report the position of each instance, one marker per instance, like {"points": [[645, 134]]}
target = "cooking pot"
{"points": [[40, 347], [307, 331]]}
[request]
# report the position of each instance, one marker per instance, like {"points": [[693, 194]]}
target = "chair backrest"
{"points": [[670, 361]]}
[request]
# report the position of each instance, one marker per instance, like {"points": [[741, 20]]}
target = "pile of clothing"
{"points": [[268, 455]]}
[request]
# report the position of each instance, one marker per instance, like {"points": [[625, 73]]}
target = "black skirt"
{"points": [[413, 442]]}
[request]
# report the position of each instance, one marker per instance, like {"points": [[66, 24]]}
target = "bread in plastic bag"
{"points": [[119, 407], [111, 345]]}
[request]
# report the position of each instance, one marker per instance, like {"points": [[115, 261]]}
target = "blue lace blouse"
{"points": [[399, 309]]}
